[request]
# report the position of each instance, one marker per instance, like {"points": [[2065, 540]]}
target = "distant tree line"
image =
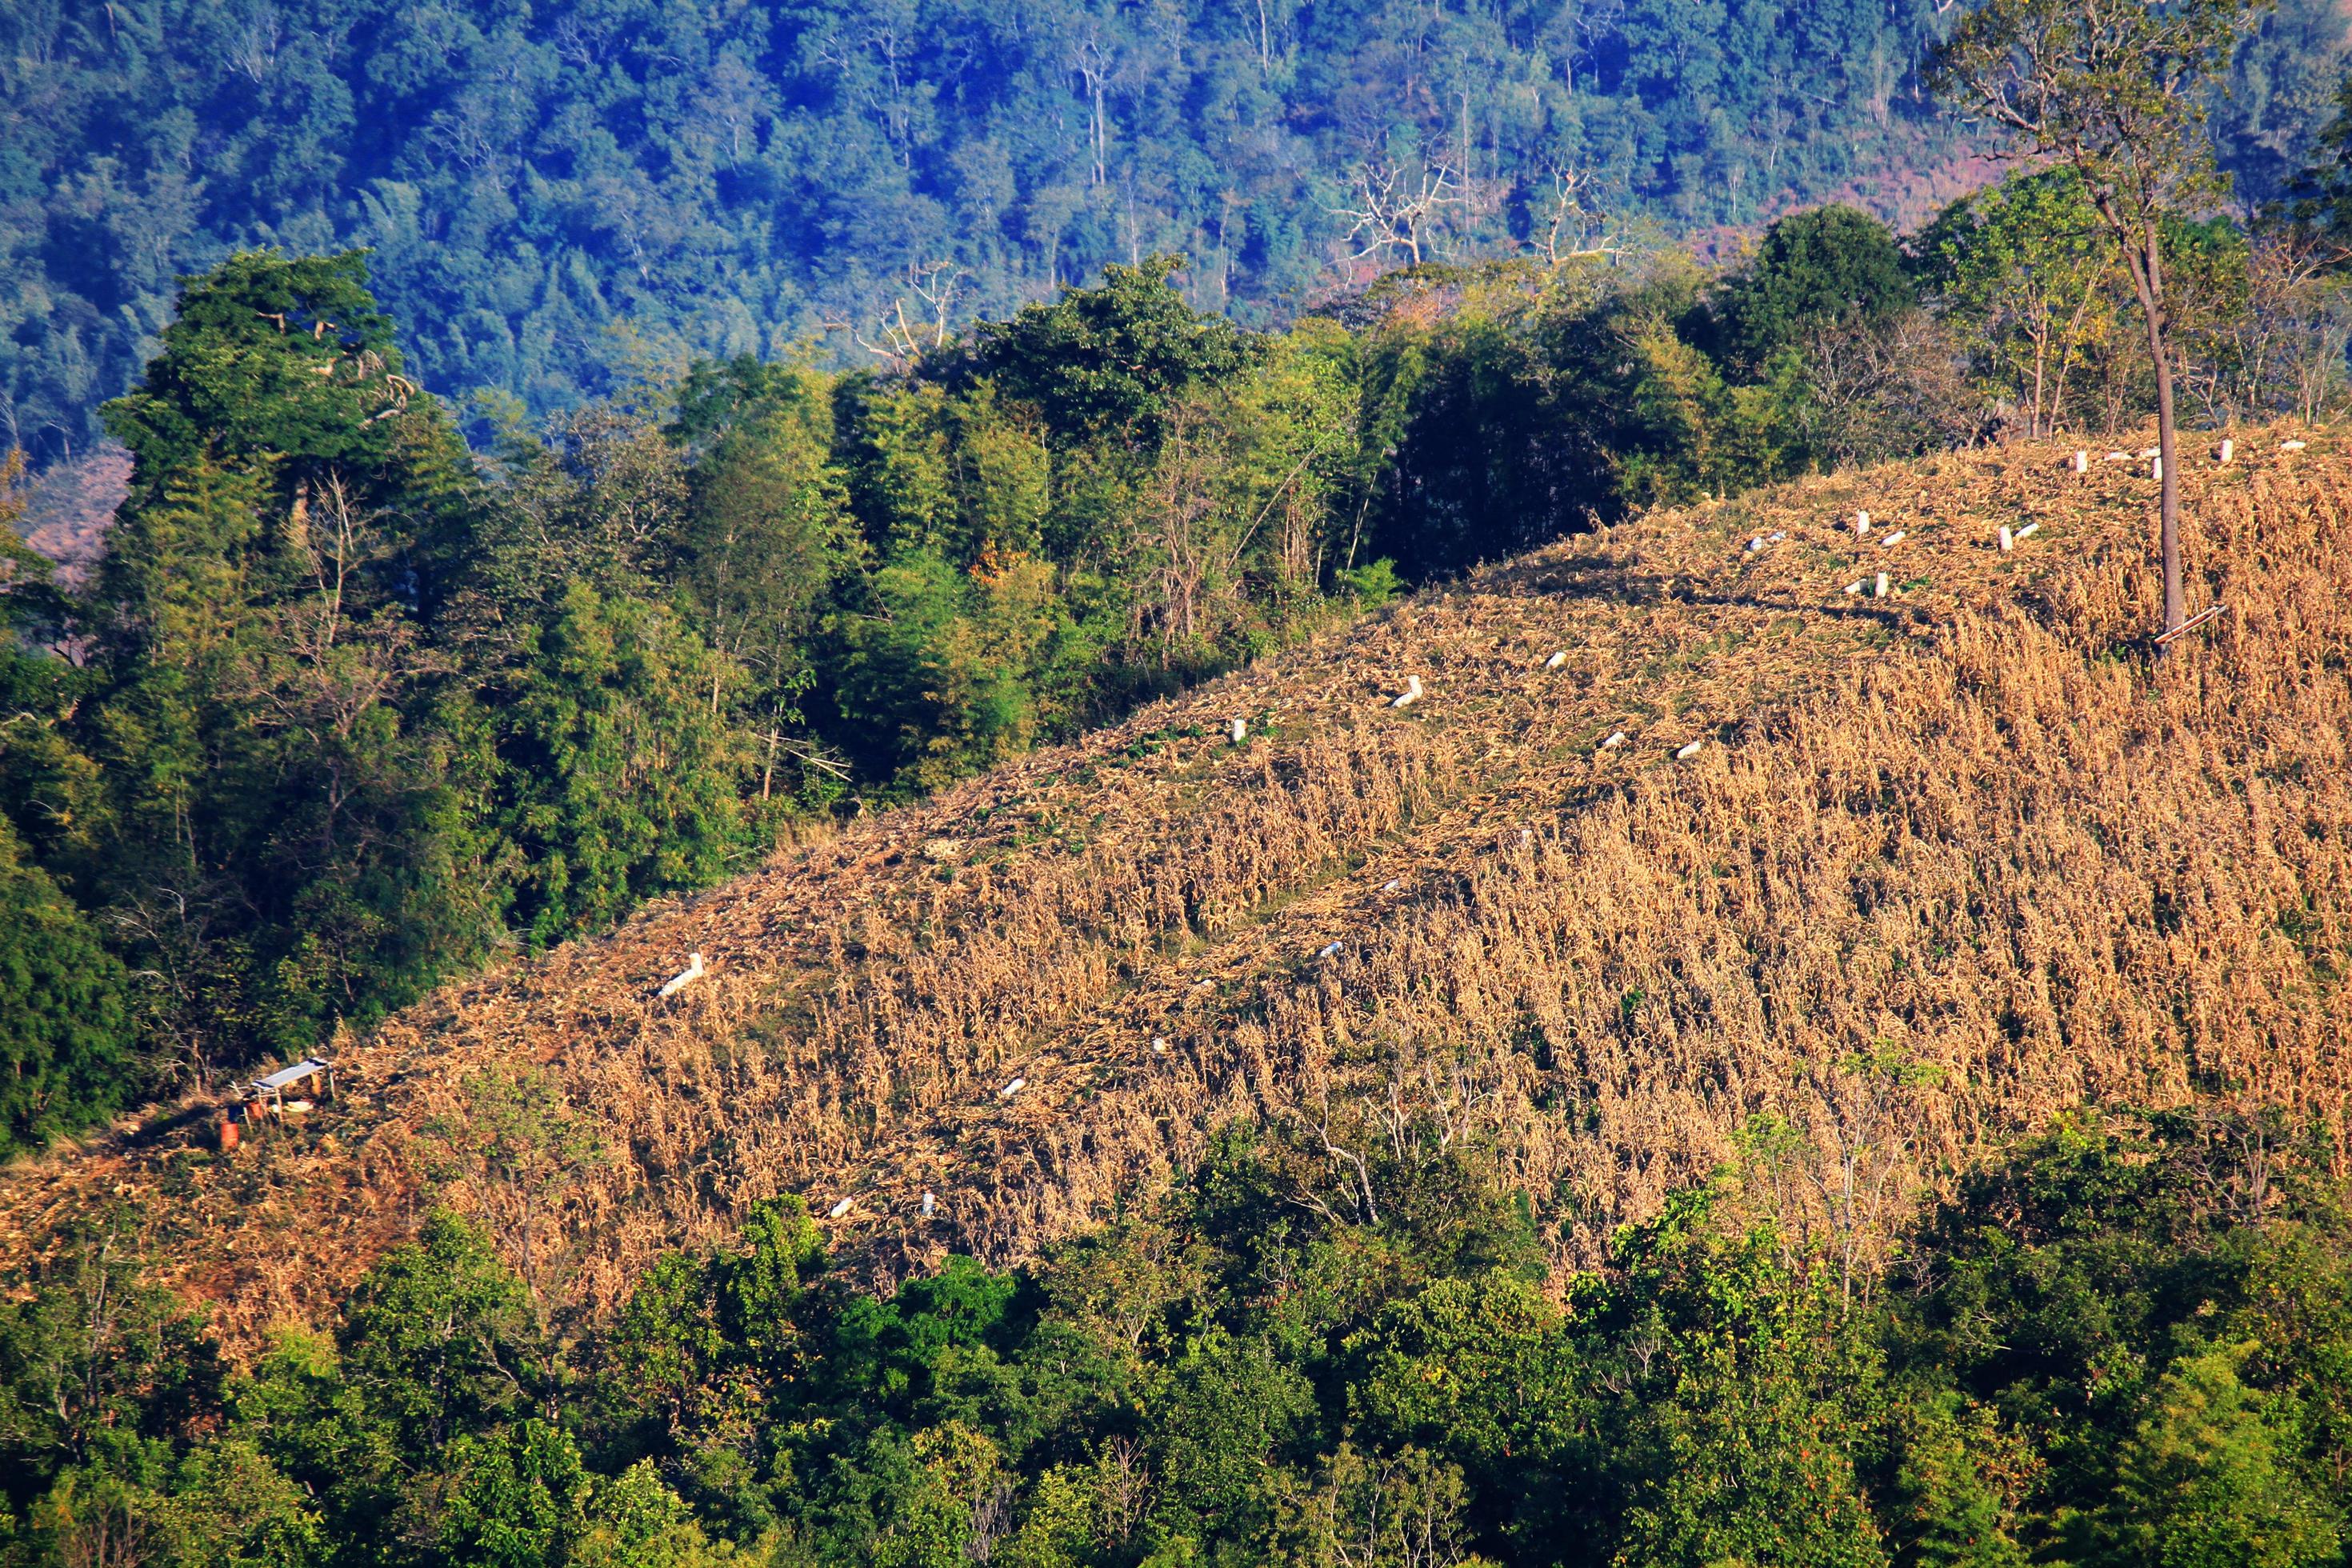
{"points": [[2124, 1341], [558, 196]]}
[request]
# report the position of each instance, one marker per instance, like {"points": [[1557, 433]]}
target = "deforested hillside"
{"points": [[1943, 861]]}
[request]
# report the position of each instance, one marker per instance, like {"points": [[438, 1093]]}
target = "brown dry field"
{"points": [[1972, 826]]}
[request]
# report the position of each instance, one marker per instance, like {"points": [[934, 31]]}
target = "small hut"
{"points": [[266, 1094]]}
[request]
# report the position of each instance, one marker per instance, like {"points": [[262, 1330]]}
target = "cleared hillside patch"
{"points": [[1944, 862]]}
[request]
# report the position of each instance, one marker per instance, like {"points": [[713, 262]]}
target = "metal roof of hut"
{"points": [[285, 1078]]}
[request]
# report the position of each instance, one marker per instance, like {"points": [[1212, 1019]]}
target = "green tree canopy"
{"points": [[66, 1039], [1827, 266], [1112, 358]]}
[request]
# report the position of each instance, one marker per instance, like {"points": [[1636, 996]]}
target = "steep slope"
{"points": [[1947, 861]]}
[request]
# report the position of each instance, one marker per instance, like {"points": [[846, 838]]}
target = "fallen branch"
{"points": [[2192, 623]]}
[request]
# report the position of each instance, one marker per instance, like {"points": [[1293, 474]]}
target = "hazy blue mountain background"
{"points": [[559, 195]]}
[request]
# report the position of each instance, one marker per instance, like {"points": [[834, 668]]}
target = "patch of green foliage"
{"points": [[2118, 1346]]}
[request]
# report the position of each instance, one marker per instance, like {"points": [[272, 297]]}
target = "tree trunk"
{"points": [[2166, 441], [2143, 259], [2040, 361]]}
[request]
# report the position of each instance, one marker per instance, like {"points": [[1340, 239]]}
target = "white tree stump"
{"points": [[684, 978]]}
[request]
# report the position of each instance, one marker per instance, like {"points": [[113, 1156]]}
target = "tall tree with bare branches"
{"points": [[2114, 88]]}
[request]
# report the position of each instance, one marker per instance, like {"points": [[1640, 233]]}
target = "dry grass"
{"points": [[1970, 827]]}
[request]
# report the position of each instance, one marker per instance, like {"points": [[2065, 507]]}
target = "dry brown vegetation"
{"points": [[68, 508], [1950, 861]]}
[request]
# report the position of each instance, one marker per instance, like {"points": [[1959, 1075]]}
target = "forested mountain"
{"points": [[562, 196], [1101, 784]]}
